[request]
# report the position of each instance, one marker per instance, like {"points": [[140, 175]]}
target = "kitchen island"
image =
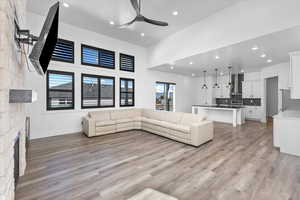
{"points": [[222, 113], [286, 135]]}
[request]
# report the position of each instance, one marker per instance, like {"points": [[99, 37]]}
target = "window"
{"points": [[64, 51], [126, 92], [126, 62], [97, 57], [60, 90], [165, 96], [97, 91]]}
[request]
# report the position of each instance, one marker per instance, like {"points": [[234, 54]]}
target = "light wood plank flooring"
{"points": [[240, 164]]}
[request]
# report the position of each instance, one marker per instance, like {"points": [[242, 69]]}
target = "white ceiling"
{"points": [[95, 15], [276, 46]]}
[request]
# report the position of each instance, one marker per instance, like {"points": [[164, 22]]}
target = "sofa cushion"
{"points": [[105, 129], [125, 114], [127, 120], [179, 135], [176, 127], [172, 117], [151, 121], [167, 125], [118, 114], [189, 119], [100, 115], [154, 114], [105, 123]]}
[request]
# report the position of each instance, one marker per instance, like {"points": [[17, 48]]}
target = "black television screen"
{"points": [[41, 53]]}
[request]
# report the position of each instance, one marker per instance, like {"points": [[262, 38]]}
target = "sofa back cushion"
{"points": [[125, 113], [188, 119], [100, 115], [173, 117], [154, 114]]}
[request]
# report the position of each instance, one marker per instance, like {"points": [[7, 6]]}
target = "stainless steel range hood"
{"points": [[236, 84]]}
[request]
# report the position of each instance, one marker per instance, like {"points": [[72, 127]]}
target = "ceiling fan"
{"points": [[140, 18]]}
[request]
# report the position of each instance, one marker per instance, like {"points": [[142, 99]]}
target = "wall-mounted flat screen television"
{"points": [[41, 53]]}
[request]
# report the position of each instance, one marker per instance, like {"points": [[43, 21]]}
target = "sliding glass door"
{"points": [[165, 96]]}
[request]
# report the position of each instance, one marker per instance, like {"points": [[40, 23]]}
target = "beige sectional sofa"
{"points": [[183, 127]]}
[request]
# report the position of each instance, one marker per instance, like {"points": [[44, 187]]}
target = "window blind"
{"points": [[97, 57], [64, 51], [126, 62]]}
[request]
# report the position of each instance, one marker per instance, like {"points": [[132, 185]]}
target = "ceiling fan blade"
{"points": [[127, 24], [155, 22], [136, 6]]}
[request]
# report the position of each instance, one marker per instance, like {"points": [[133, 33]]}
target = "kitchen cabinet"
{"points": [[286, 132], [253, 112], [252, 89], [294, 80]]}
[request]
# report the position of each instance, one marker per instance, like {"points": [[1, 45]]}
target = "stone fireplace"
{"points": [[12, 116], [17, 159]]}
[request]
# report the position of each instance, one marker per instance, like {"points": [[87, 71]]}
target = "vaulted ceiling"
{"points": [[95, 15]]}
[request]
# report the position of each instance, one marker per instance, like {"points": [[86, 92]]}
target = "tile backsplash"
{"points": [[246, 102], [252, 102]]}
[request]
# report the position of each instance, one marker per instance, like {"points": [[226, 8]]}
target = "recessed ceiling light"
{"points": [[222, 73], [269, 60], [172, 67], [66, 5], [191, 63], [217, 57], [254, 48], [142, 34], [112, 23], [193, 74], [175, 13], [263, 55]]}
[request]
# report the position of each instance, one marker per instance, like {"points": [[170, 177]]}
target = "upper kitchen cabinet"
{"points": [[294, 80], [252, 85], [252, 89]]}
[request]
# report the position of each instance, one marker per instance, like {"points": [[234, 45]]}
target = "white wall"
{"points": [[49, 123], [246, 20], [203, 96]]}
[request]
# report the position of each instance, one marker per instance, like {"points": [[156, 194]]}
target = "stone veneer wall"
{"points": [[12, 75]]}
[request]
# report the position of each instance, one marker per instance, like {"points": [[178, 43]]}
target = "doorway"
{"points": [[165, 96], [271, 98]]}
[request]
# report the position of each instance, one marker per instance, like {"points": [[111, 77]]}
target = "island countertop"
{"points": [[221, 107]]}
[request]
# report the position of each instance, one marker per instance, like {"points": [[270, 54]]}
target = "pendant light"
{"points": [[216, 85], [229, 77], [204, 87]]}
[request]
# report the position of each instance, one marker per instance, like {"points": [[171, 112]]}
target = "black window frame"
{"points": [[167, 84], [48, 107], [99, 91], [120, 63], [73, 52], [99, 63], [133, 92]]}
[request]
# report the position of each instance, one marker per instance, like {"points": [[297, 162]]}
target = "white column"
{"points": [[234, 118]]}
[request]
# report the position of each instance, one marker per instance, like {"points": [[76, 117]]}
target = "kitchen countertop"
{"points": [[223, 107], [288, 114]]}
